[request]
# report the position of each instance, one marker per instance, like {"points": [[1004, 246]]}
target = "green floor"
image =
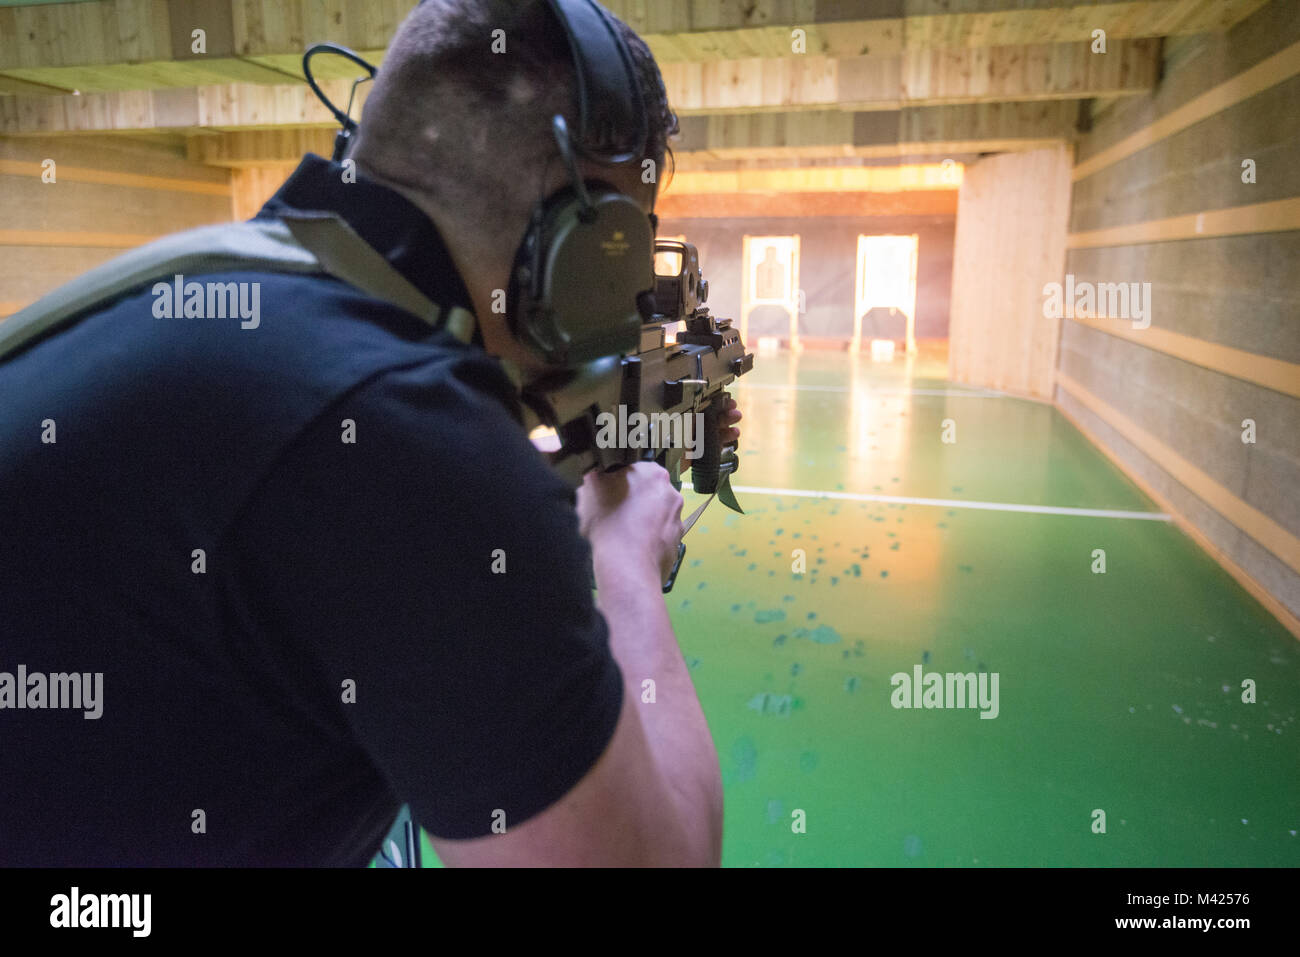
{"points": [[1118, 691]]}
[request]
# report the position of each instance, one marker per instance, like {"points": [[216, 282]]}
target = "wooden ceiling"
{"points": [[754, 81]]}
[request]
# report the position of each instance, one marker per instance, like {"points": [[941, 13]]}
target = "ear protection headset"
{"points": [[582, 281], [583, 277]]}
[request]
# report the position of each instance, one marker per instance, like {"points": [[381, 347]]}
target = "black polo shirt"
{"points": [[391, 603]]}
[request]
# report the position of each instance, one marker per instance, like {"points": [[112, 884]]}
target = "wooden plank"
{"points": [[797, 135], [76, 238], [726, 164], [151, 74], [113, 31], [163, 154], [845, 132], [1267, 73], [967, 24], [674, 31], [1250, 520], [804, 205], [29, 272], [1032, 72], [232, 106], [783, 156], [69, 207], [1251, 367], [264, 27], [254, 148], [252, 187], [1244, 578], [74, 34], [1012, 214], [104, 45], [13, 84], [1000, 123], [78, 174], [836, 179], [1278, 216], [1040, 72]]}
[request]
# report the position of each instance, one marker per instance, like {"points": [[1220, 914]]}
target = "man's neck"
{"points": [[480, 271]]}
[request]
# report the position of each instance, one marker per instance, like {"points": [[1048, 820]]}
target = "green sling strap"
{"points": [[308, 243]]}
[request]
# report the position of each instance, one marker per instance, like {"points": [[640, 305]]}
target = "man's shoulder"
{"points": [[213, 401], [273, 337]]}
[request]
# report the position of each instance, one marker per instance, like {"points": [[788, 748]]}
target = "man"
{"points": [[318, 565]]}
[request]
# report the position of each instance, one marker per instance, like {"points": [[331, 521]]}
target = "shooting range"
{"points": [[1017, 581]]}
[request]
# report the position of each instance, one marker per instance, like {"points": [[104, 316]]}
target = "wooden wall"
{"points": [[253, 186], [1159, 197], [1012, 213], [107, 195]]}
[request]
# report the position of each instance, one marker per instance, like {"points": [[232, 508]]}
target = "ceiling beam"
{"points": [[969, 128], [257, 148], [819, 84], [105, 45], [821, 205], [819, 179], [693, 163], [710, 29], [225, 107], [736, 140], [958, 75]]}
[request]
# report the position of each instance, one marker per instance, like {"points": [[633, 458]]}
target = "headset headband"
{"points": [[609, 93]]}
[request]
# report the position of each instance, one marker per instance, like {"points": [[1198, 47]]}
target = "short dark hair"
{"points": [[467, 127]]}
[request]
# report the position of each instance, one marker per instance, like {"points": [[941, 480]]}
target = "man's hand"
{"points": [[632, 516], [727, 422], [727, 431]]}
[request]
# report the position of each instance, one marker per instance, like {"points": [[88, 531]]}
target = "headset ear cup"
{"points": [[579, 276], [524, 294]]}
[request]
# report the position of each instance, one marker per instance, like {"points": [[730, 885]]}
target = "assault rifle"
{"points": [[671, 391]]}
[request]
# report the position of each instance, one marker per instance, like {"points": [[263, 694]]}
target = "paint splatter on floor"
{"points": [[1082, 658], [744, 760], [767, 703]]}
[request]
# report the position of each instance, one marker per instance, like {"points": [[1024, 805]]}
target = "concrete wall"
{"points": [[1238, 291]]}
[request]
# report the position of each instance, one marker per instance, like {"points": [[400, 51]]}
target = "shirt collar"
{"points": [[387, 220]]}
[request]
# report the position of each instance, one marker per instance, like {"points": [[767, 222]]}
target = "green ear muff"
{"points": [[583, 277]]}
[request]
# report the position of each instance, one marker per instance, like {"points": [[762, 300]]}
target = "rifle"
{"points": [[664, 387]]}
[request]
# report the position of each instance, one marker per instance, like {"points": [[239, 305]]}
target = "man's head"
{"points": [[465, 132]]}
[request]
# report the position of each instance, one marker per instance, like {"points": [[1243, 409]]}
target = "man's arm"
{"points": [[436, 566], [655, 796]]}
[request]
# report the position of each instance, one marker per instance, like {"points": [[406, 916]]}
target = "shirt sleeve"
{"points": [[434, 563]]}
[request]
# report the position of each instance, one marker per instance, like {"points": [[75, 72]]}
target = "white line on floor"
{"points": [[956, 503]]}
